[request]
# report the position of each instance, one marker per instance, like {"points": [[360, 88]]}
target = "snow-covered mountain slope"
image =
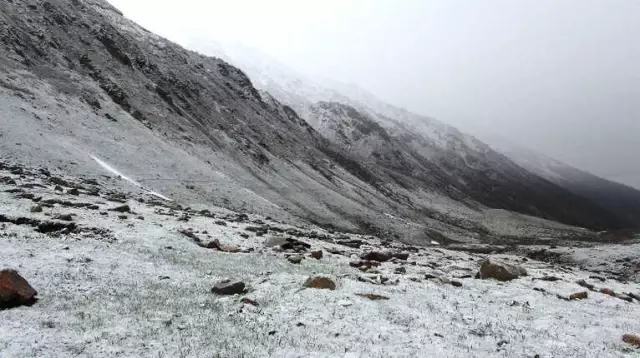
{"points": [[411, 150], [78, 81], [620, 199]]}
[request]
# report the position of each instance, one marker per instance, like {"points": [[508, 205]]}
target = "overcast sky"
{"points": [[559, 76]]}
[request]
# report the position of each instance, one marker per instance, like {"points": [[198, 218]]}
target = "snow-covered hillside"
{"points": [[123, 273]]}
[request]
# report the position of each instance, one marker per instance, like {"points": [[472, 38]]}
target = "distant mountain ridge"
{"points": [[618, 198], [414, 151]]}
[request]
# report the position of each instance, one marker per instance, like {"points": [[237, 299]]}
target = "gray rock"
{"points": [[380, 256], [275, 241], [295, 259], [122, 209], [500, 271]]}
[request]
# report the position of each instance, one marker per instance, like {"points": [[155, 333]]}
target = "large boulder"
{"points": [[15, 290], [500, 271], [320, 282]]}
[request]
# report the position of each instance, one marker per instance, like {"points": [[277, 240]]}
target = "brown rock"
{"points": [[316, 254], [500, 271], [213, 244], [579, 296], [372, 296], [364, 264], [380, 256], [320, 282], [228, 288], [248, 301], [608, 291], [632, 339], [15, 290]]}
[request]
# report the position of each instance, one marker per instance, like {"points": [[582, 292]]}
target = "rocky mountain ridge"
{"points": [[414, 151], [82, 84]]}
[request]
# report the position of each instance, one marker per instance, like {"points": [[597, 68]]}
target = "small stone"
{"points": [[549, 278], [36, 209], [295, 259], [586, 285], [632, 339], [228, 288], [122, 209], [372, 296], [122, 217], [275, 241], [579, 296], [248, 301], [400, 255], [400, 270], [316, 254], [608, 291], [58, 188], [320, 282], [73, 191], [63, 217], [213, 244], [380, 256]]}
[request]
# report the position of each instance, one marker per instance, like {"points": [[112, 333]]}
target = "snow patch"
{"points": [[124, 177]]}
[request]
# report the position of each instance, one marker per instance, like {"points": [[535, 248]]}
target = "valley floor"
{"points": [[135, 283]]}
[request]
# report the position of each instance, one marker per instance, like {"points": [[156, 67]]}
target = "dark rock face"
{"points": [[228, 288], [15, 290], [460, 169]]}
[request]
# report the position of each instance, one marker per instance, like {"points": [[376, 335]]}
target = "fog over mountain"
{"points": [[560, 77]]}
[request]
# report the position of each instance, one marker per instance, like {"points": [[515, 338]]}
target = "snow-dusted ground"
{"points": [[142, 289]]}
